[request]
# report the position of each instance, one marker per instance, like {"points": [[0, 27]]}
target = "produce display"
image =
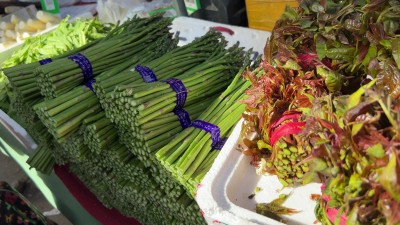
{"points": [[141, 121], [106, 108], [323, 107]]}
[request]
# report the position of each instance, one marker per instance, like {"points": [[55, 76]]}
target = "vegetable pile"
{"points": [[324, 107], [115, 110]]}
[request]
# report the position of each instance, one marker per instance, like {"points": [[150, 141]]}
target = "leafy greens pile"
{"points": [[324, 106]]}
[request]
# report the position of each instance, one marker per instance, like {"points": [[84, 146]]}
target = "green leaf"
{"points": [[290, 14], [376, 151], [355, 98], [352, 218], [262, 145], [318, 165], [355, 183], [316, 7], [356, 128], [292, 65], [396, 51], [310, 177], [386, 43], [389, 177], [306, 23], [321, 49], [372, 53]]}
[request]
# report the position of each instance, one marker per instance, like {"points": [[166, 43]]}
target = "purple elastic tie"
{"points": [[183, 117], [217, 141], [90, 83], [84, 64], [45, 61], [146, 73], [181, 92], [220, 143]]}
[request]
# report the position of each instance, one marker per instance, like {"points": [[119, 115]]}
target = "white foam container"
{"points": [[223, 195], [191, 28]]}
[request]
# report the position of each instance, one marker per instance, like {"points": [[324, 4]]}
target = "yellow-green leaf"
{"points": [[352, 218], [372, 53], [356, 128], [389, 178], [376, 151], [355, 98], [396, 51]]}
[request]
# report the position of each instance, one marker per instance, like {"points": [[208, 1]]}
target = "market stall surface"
{"points": [[12, 174]]}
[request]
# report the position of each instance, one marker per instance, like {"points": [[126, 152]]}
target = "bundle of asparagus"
{"points": [[23, 80], [145, 111], [63, 116], [95, 183], [98, 132], [135, 171], [74, 150], [139, 201], [121, 44], [65, 38], [169, 65], [189, 156], [100, 135], [42, 159], [25, 92]]}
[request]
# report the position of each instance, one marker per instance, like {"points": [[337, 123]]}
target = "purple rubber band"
{"points": [[217, 141], [90, 83], [84, 64], [45, 61], [220, 144], [146, 73], [183, 117], [180, 89]]}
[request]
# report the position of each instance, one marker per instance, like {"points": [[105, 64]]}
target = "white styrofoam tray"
{"points": [[223, 195]]}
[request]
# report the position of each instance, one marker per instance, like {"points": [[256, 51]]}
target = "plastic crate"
{"points": [[262, 14]]}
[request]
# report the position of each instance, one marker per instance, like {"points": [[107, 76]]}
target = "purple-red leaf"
{"points": [[286, 129]]}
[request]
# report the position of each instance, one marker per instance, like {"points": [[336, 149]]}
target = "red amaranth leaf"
{"points": [[331, 213], [292, 116], [286, 129], [307, 60]]}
